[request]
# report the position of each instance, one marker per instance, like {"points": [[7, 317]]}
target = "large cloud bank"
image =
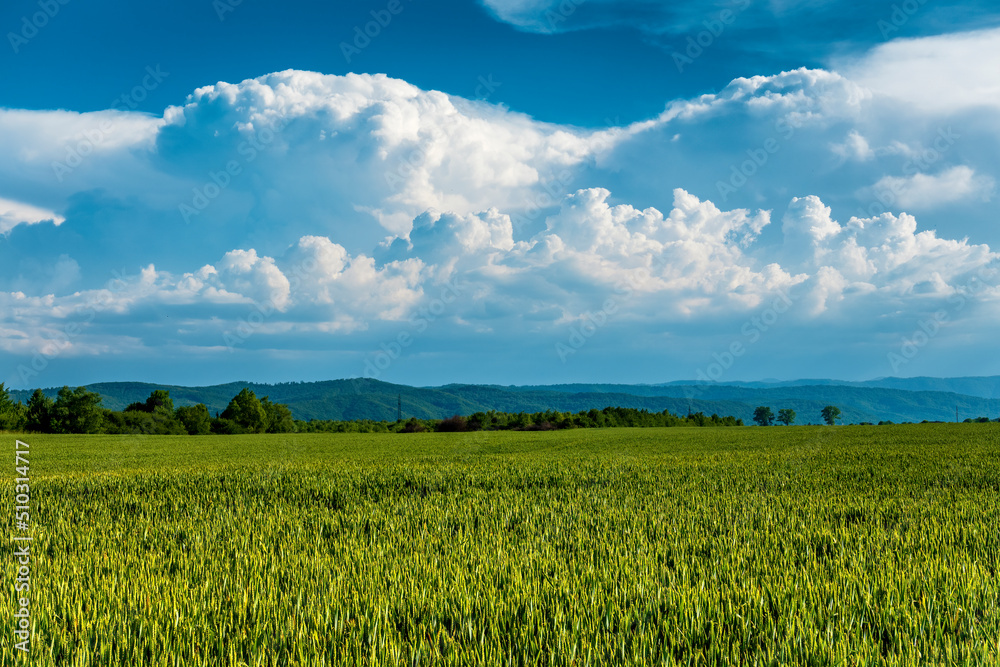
{"points": [[299, 211]]}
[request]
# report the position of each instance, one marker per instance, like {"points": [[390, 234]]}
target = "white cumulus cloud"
{"points": [[939, 74], [927, 191], [345, 205], [14, 213]]}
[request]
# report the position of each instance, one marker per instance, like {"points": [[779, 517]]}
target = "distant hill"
{"points": [[983, 387], [373, 399]]}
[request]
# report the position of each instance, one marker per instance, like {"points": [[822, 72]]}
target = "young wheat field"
{"points": [[847, 545]]}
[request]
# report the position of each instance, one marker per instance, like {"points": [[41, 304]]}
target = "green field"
{"points": [[740, 546]]}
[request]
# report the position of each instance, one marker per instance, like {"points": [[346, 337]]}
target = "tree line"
{"points": [[764, 416], [549, 420], [80, 411]]}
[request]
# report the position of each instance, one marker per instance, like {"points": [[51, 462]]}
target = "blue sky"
{"points": [[88, 54], [507, 191]]}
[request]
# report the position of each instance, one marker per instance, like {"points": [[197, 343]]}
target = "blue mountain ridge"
{"points": [[889, 399]]}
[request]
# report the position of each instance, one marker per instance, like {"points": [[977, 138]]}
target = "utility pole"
{"points": [[399, 407]]}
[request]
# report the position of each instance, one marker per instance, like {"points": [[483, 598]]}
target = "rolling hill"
{"points": [[373, 399]]}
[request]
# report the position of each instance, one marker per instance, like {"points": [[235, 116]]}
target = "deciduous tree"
{"points": [[195, 419], [763, 415], [786, 416], [77, 411], [245, 409], [39, 412], [830, 414], [13, 415], [279, 417]]}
